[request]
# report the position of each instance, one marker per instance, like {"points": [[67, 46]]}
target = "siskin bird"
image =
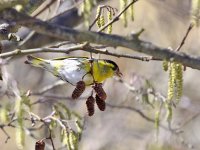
{"points": [[75, 69]]}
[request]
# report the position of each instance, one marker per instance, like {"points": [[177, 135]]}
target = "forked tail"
{"points": [[37, 62]]}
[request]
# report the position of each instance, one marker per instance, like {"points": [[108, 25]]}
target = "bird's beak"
{"points": [[119, 74]]}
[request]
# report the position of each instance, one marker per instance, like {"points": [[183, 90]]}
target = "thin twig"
{"points": [[106, 52], [137, 111], [83, 47], [60, 44], [190, 119], [26, 39], [184, 38], [43, 120], [7, 135], [41, 50], [44, 6], [51, 139], [98, 15], [77, 4], [116, 18], [95, 20], [133, 109]]}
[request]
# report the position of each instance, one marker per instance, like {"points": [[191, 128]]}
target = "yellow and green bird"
{"points": [[75, 69]]}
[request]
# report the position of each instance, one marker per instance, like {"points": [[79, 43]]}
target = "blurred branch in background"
{"points": [[10, 3], [138, 91], [49, 24], [44, 98], [37, 40]]}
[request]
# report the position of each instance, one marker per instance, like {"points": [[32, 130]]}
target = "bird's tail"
{"points": [[37, 62]]}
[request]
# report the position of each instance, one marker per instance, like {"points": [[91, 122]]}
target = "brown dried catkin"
{"points": [[90, 105], [80, 88]]}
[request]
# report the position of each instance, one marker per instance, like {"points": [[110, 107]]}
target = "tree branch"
{"points": [[83, 47], [42, 50], [100, 38]]}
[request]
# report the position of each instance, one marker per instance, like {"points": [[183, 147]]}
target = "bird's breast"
{"points": [[73, 72]]}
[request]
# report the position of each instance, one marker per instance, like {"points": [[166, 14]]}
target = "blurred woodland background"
{"points": [[128, 123]]}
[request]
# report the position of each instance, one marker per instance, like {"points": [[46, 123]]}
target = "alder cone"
{"points": [[100, 103], [90, 105], [100, 91], [78, 91]]}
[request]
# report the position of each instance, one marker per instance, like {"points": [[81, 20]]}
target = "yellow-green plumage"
{"points": [[75, 69], [102, 70]]}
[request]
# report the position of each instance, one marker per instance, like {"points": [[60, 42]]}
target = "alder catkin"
{"points": [[98, 22], [171, 81], [109, 31], [100, 91], [132, 12], [19, 130], [40, 145], [100, 103], [195, 16], [179, 81], [90, 105], [165, 65], [123, 4], [78, 91], [102, 21]]}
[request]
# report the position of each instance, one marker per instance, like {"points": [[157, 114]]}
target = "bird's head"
{"points": [[115, 68]]}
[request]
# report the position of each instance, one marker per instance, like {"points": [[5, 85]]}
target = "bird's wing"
{"points": [[69, 57]]}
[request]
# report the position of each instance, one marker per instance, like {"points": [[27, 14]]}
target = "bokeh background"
{"points": [[122, 128]]}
